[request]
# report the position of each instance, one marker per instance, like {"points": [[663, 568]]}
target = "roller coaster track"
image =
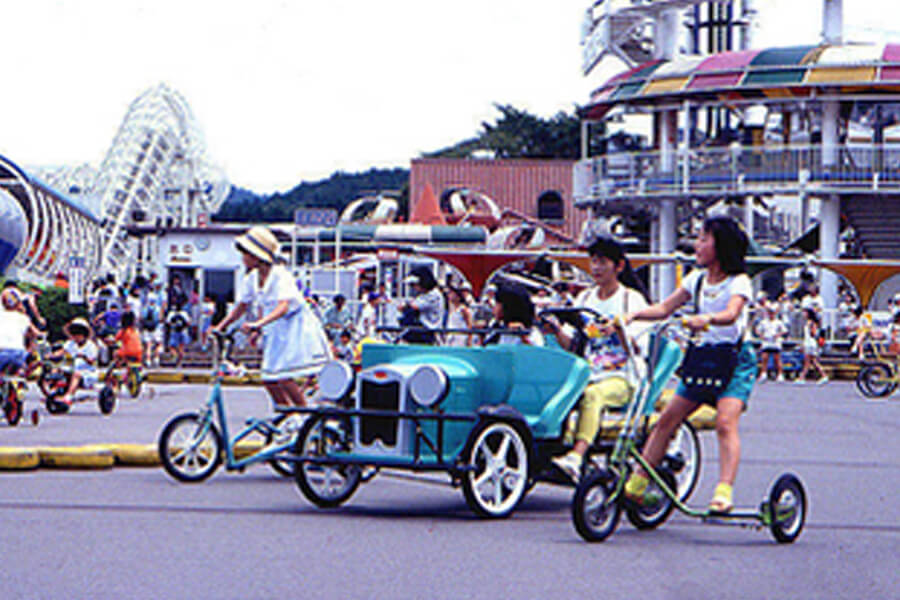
{"points": [[156, 171]]}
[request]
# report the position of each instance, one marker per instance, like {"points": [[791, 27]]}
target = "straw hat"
{"points": [[78, 322], [259, 242]]}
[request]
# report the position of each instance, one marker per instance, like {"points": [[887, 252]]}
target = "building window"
{"points": [[550, 207]]}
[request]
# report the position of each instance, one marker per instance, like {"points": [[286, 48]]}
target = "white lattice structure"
{"points": [[156, 172], [55, 227]]}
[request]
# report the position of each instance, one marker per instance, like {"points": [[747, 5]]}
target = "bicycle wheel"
{"points": [[652, 516], [188, 453], [133, 382], [595, 514], [12, 404], [325, 485], [876, 380]]}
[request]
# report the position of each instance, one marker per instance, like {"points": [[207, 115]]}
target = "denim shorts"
{"points": [[12, 358], [739, 387]]}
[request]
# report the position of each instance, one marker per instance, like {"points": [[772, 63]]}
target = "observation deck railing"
{"points": [[736, 170]]}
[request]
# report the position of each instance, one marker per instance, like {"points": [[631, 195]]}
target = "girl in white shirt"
{"points": [[294, 343], [725, 291]]}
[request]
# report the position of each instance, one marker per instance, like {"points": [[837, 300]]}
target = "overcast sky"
{"points": [[293, 90]]}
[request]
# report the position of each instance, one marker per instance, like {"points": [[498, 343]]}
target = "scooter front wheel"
{"points": [[787, 508], [595, 513], [190, 448]]}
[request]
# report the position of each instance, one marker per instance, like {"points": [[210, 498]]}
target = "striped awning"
{"points": [[770, 72]]}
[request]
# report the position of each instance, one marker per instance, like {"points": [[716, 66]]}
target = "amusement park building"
{"points": [[537, 189]]}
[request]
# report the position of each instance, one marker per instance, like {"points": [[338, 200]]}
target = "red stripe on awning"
{"points": [[727, 61]]}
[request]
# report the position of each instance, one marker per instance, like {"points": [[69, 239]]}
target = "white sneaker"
{"points": [[763, 377], [822, 381], [570, 464], [780, 379], [799, 381]]}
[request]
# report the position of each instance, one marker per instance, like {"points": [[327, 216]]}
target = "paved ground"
{"points": [[135, 533]]}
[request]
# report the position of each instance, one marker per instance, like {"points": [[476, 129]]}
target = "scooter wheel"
{"points": [[651, 517], [107, 400], [787, 508], [595, 514]]}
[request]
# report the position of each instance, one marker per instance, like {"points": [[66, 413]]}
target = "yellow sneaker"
{"points": [[636, 491]]}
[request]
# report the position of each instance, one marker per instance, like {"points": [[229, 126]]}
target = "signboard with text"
{"points": [[76, 280], [315, 217]]}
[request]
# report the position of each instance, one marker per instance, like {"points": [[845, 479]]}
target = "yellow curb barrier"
{"points": [[83, 457], [15, 459], [245, 449], [135, 455], [165, 377], [196, 378]]}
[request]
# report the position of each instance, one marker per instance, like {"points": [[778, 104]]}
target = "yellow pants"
{"points": [[612, 392]]}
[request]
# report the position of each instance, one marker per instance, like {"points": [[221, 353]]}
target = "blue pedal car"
{"points": [[491, 417]]}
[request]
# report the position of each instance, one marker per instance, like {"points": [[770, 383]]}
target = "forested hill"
{"points": [[335, 192], [514, 134]]}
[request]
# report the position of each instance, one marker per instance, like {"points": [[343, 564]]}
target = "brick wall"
{"points": [[515, 184]]}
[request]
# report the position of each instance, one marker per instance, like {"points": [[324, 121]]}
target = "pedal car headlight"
{"points": [[428, 385], [335, 380]]}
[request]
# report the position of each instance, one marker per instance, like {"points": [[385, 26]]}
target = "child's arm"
{"points": [[660, 310]]}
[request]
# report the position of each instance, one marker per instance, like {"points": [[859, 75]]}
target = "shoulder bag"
{"points": [[707, 368]]}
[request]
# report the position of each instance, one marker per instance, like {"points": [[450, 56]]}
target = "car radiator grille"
{"points": [[375, 396]]}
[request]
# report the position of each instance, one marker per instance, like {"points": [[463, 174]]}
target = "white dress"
{"points": [[294, 345]]}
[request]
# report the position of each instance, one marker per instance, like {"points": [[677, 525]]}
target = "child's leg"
{"points": [[611, 392], [277, 394], [293, 392], [779, 370], [676, 411], [74, 382], [728, 412]]}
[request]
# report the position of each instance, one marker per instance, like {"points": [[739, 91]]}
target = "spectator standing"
{"points": [[338, 318], [459, 317], [812, 342], [426, 310], [771, 332], [368, 317], [179, 323]]}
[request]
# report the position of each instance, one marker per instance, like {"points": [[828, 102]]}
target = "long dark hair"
{"points": [[731, 243], [516, 303], [607, 247]]}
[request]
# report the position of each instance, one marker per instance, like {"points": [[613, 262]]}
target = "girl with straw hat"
{"points": [[294, 343]]}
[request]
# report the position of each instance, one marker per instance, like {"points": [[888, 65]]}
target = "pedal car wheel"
{"points": [[683, 459], [787, 506], [325, 485], [875, 380], [281, 467], [133, 383], [12, 406], [106, 400], [595, 513], [651, 517], [54, 406], [188, 451], [498, 478]]}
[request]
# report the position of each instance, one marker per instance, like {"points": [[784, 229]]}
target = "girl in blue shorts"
{"points": [[724, 292]]}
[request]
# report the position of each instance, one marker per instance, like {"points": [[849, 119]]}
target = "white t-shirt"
{"points": [[814, 302], [770, 332], [607, 353], [13, 326], [279, 286], [366, 324], [714, 298], [81, 354]]}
